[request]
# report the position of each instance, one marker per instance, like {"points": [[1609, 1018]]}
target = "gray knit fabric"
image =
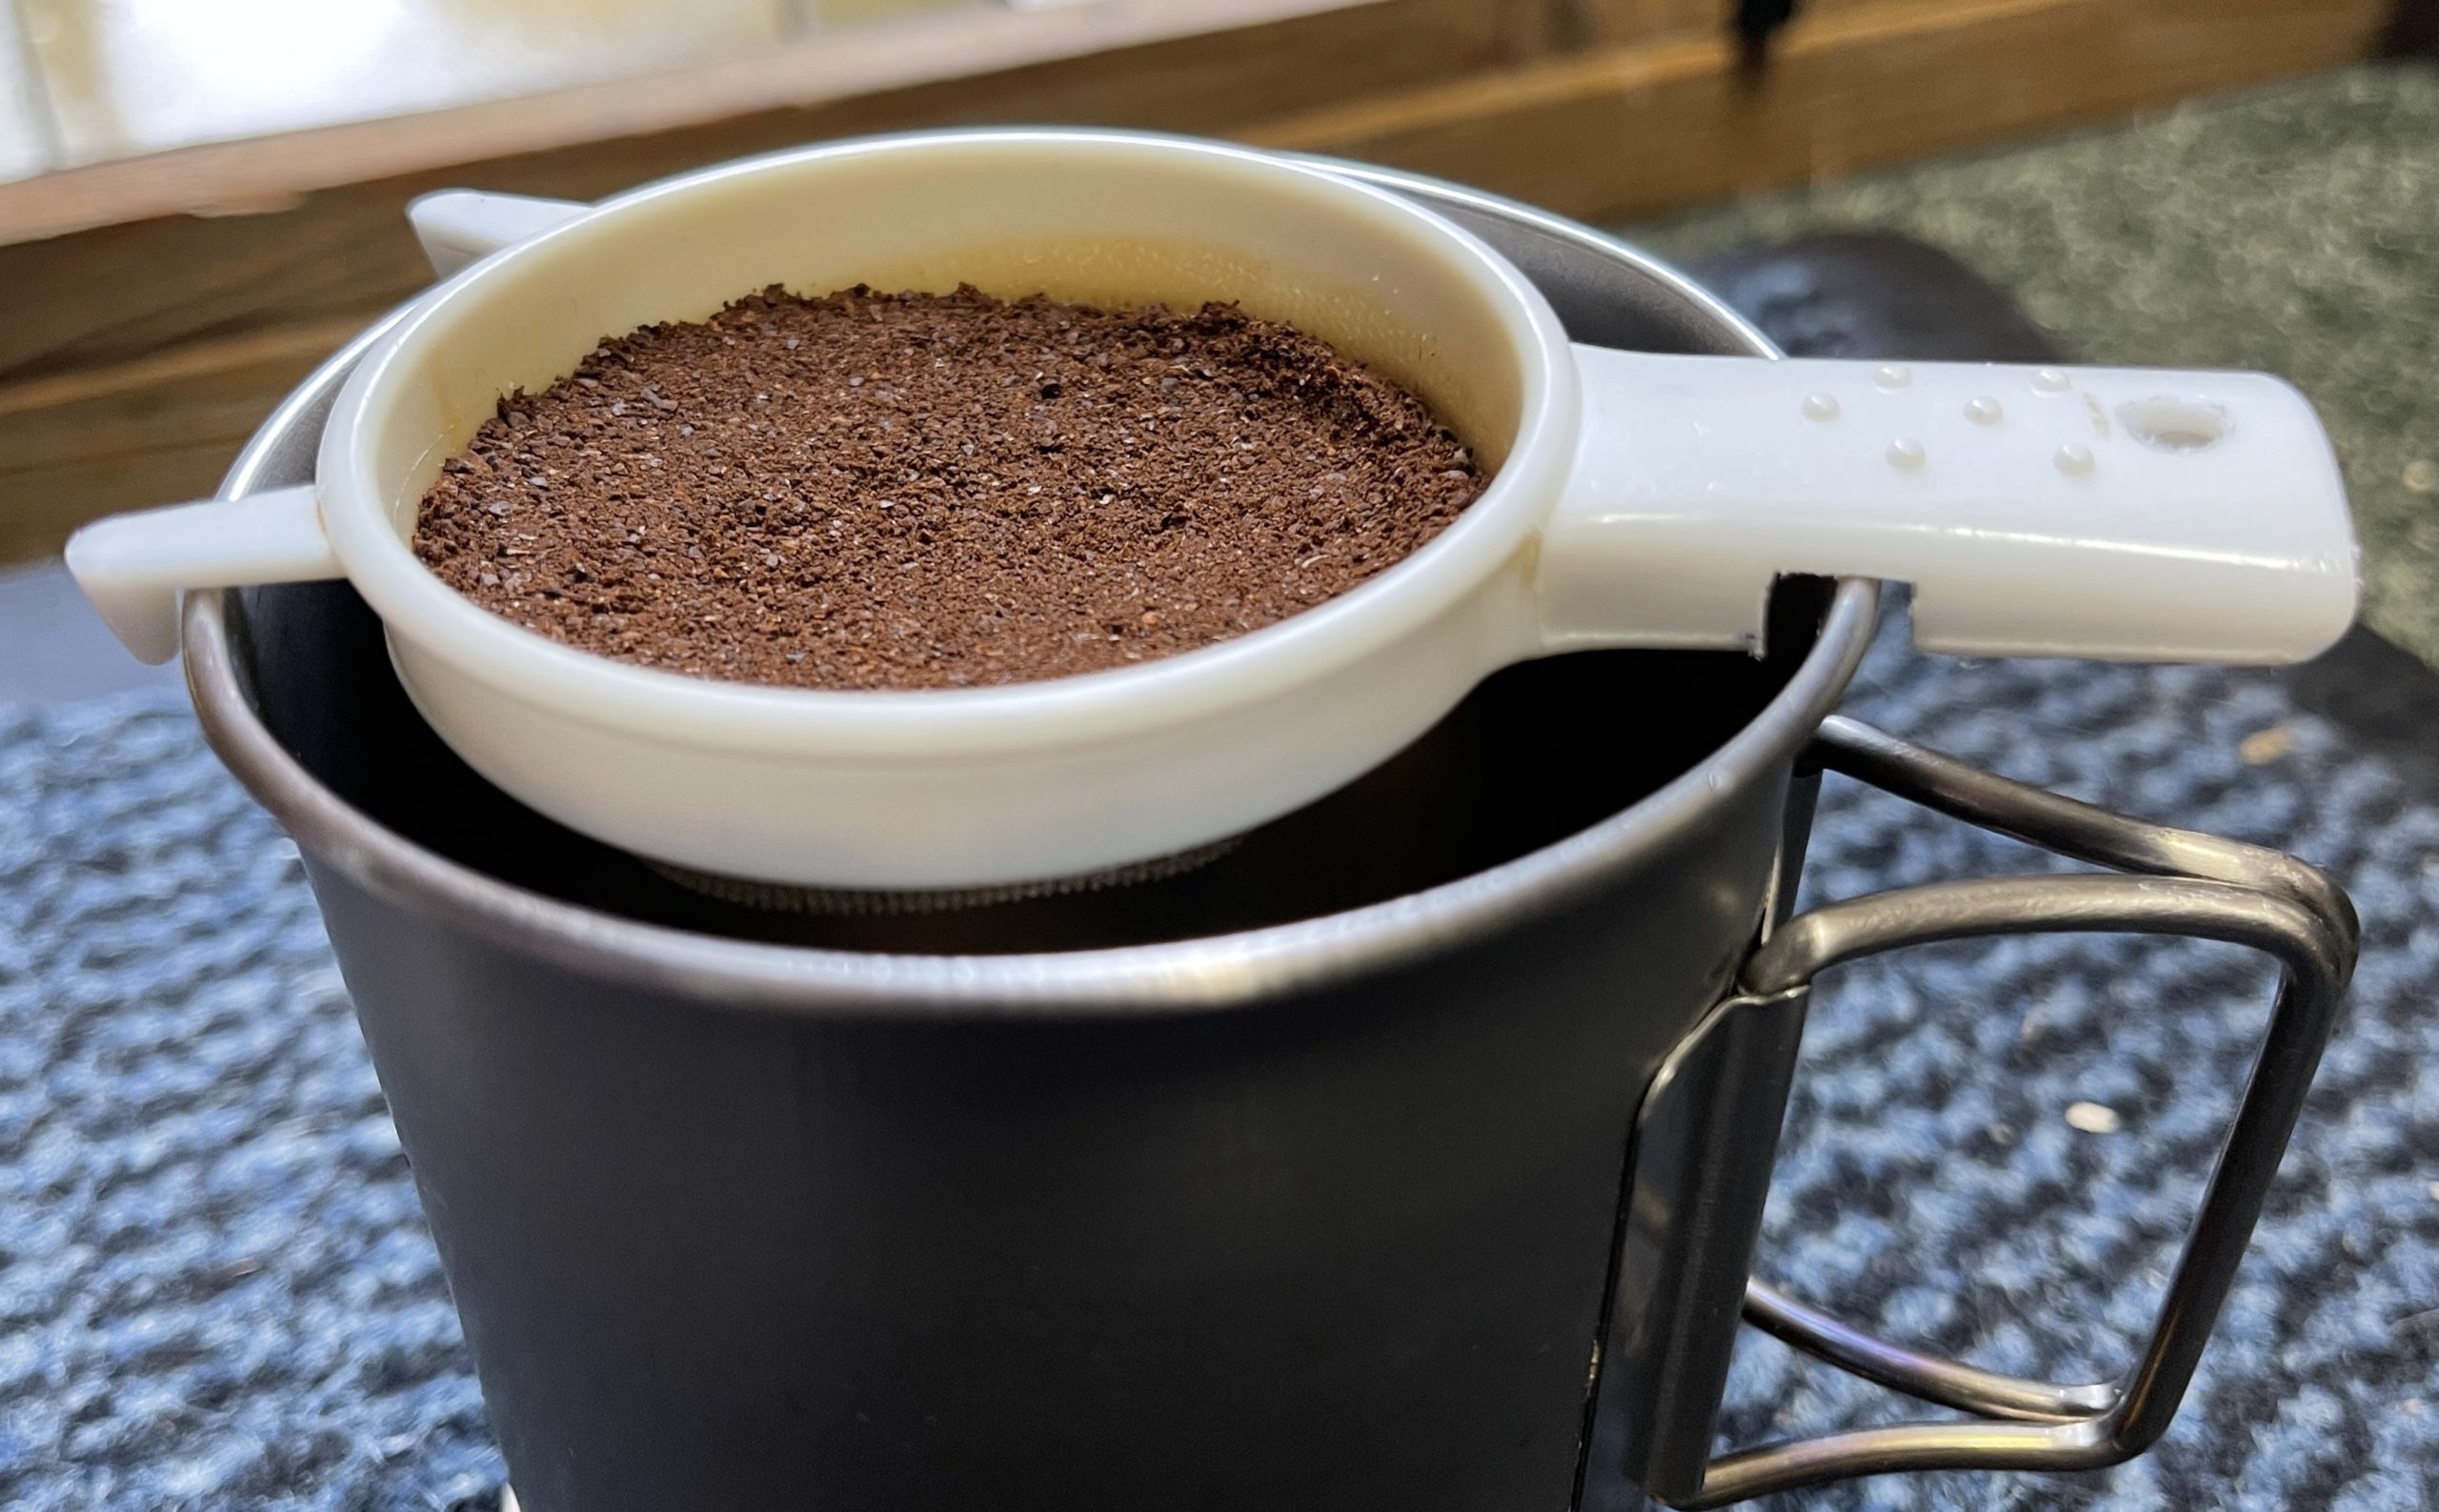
{"points": [[215, 1288], [215, 1291]]}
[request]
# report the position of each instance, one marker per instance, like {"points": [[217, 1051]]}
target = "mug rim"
{"points": [[416, 605], [1195, 975]]}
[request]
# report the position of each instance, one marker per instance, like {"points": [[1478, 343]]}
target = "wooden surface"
{"points": [[138, 356], [1627, 130]]}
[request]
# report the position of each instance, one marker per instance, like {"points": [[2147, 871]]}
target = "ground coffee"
{"points": [[912, 491]]}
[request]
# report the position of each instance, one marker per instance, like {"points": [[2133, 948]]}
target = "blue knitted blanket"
{"points": [[216, 1291]]}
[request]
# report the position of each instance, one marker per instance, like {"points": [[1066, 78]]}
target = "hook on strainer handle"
{"points": [[460, 225], [133, 567]]}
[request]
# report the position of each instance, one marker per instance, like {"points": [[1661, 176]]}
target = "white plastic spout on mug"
{"points": [[1635, 500]]}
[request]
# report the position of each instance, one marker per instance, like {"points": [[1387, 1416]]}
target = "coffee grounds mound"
{"points": [[924, 491]]}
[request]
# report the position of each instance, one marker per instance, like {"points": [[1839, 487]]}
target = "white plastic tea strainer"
{"points": [[1637, 500]]}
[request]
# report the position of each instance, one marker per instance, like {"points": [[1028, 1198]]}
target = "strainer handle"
{"points": [[2118, 513], [133, 567], [2183, 883], [459, 226]]}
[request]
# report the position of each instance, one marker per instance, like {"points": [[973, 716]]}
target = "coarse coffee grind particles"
{"points": [[922, 490]]}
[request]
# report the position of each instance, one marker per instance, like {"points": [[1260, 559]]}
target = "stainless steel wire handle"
{"points": [[2185, 884]]}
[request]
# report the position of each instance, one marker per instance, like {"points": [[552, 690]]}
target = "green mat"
{"points": [[2292, 228]]}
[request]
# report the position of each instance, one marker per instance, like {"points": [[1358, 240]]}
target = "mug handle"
{"points": [[2183, 883]]}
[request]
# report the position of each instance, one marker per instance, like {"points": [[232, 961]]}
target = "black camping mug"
{"points": [[1409, 1155]]}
